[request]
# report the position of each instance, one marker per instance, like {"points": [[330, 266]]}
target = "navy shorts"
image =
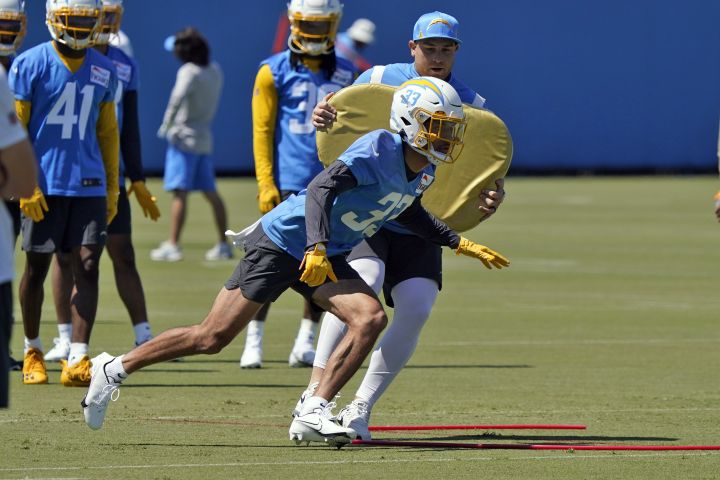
{"points": [[121, 224], [405, 256], [69, 222], [267, 271]]}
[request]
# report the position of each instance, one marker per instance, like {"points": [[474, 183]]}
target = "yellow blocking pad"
{"points": [[454, 196]]}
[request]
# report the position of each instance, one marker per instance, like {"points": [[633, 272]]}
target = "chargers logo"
{"points": [[425, 181]]}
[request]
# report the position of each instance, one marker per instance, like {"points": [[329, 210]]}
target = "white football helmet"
{"points": [[313, 25], [428, 115], [112, 12], [73, 22], [13, 26]]}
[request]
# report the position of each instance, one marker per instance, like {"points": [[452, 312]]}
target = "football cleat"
{"points": [[302, 355], [319, 426], [356, 415], [221, 251], [253, 351], [166, 252], [60, 351], [34, 371], [309, 392], [101, 391], [77, 375]]}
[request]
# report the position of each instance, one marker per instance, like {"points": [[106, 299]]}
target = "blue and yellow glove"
{"points": [[489, 257], [317, 267], [147, 201], [33, 207]]}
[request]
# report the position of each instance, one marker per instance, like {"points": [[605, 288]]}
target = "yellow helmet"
{"points": [[13, 26], [73, 22], [313, 25]]}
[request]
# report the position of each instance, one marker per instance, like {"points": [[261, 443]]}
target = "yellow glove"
{"points": [[112, 205], [317, 267], [268, 197], [490, 258], [33, 207], [147, 201]]}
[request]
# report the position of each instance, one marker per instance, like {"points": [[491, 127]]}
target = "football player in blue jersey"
{"points": [[13, 27], [302, 244], [64, 92], [287, 87], [406, 267], [119, 240]]}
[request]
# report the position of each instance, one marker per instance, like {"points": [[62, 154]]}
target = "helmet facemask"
{"points": [[110, 24], [74, 27], [440, 137], [312, 33], [13, 27]]}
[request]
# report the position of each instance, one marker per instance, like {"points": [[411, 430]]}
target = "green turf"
{"points": [[607, 317]]}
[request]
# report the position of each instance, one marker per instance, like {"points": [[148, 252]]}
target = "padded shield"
{"points": [[454, 196]]}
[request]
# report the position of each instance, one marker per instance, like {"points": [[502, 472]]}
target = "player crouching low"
{"points": [[302, 244]]}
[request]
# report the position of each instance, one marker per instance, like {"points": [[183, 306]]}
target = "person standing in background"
{"points": [[187, 128], [350, 44]]}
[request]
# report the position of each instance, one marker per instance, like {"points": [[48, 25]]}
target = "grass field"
{"points": [[608, 317]]}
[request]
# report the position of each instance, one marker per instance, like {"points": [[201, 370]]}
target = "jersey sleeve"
{"points": [[362, 159], [20, 80], [183, 85], [134, 83], [264, 113], [364, 77]]}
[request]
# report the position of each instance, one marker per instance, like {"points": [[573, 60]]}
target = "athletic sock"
{"points": [[65, 331], [143, 333], [312, 403], [115, 371], [33, 343], [77, 352], [307, 331]]}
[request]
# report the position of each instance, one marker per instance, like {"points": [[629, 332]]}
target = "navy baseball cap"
{"points": [[436, 25]]}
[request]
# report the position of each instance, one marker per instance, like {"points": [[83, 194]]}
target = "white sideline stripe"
{"points": [[562, 456]]}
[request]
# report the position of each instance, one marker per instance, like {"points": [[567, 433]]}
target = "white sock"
{"points": [[413, 299], [143, 333], [77, 351], [65, 331], [114, 369], [311, 404], [307, 331], [33, 343], [255, 331]]}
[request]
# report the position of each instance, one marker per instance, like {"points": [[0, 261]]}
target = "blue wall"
{"points": [[583, 85]]}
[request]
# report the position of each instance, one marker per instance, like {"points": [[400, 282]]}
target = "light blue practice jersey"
{"points": [[299, 90], [64, 115], [382, 193], [395, 75], [128, 81]]}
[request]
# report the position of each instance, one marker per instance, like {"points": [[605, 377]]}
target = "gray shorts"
{"points": [[69, 222], [121, 224], [405, 256], [267, 271]]}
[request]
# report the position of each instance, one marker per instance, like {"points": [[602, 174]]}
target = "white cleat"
{"points": [[166, 252], [221, 251], [252, 355], [60, 351], [100, 392], [302, 355], [318, 426], [309, 392], [356, 415]]}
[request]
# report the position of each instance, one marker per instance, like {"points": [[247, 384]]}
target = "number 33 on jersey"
{"points": [[65, 107]]}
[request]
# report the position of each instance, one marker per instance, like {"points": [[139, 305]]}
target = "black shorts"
{"points": [[121, 223], [69, 222], [405, 256], [13, 207], [6, 322], [267, 271]]}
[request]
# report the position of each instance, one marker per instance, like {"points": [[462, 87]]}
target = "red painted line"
{"points": [[517, 426], [528, 446]]}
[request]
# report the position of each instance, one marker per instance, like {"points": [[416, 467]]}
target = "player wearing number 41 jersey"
{"points": [[64, 94], [287, 87]]}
